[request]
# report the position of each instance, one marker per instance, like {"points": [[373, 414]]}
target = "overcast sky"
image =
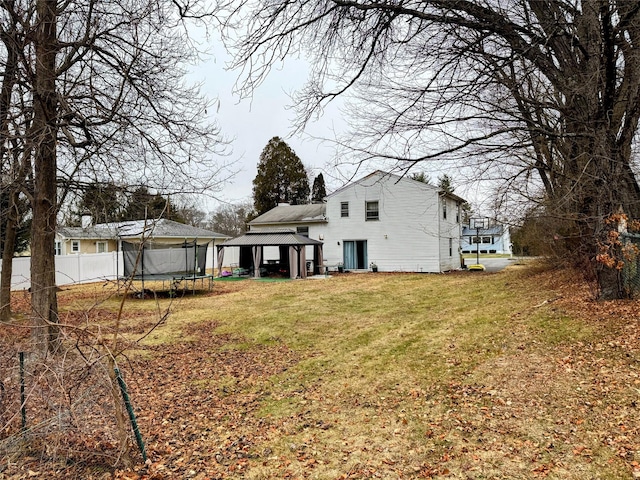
{"points": [[251, 123]]}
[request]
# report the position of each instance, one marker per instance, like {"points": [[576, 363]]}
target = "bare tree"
{"points": [[541, 92], [231, 219], [14, 167], [100, 95]]}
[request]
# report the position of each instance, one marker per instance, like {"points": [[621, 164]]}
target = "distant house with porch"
{"points": [[392, 222], [493, 239]]}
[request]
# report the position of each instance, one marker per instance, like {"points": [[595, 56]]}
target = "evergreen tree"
{"points": [[319, 191], [444, 182], [144, 204], [420, 177], [103, 201], [281, 177]]}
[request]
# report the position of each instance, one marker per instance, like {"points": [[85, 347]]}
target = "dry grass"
{"points": [[472, 376]]}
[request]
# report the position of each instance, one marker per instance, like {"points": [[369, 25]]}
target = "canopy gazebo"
{"points": [[292, 251]]}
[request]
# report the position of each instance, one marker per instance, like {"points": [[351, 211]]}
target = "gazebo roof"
{"points": [[270, 238]]}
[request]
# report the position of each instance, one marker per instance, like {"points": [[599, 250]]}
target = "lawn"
{"points": [[473, 376]]}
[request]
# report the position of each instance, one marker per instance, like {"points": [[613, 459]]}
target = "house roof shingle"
{"points": [[310, 213], [161, 228]]}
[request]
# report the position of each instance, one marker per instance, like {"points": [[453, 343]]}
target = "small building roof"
{"points": [[309, 213], [161, 228], [270, 238]]}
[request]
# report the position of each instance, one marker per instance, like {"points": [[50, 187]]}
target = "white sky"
{"points": [[251, 123]]}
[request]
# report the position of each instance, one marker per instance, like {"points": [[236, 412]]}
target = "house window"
{"points": [[302, 231], [458, 213], [451, 247], [372, 211], [475, 239], [444, 209], [101, 247], [75, 246], [486, 240], [57, 247], [344, 209]]}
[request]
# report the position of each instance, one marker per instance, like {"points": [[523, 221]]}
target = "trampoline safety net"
{"points": [[162, 259]]}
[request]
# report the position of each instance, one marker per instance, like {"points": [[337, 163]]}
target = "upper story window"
{"points": [[458, 213], [302, 231], [344, 209], [372, 212], [444, 209], [75, 246]]}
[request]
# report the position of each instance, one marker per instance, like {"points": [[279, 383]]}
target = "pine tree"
{"points": [[142, 204], [281, 177], [103, 201], [319, 191], [444, 182], [420, 177]]}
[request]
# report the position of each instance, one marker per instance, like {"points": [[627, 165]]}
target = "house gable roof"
{"points": [[380, 176], [310, 213], [161, 228]]}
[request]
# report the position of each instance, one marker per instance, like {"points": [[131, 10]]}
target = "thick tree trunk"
{"points": [[44, 304], [10, 42], [7, 260]]}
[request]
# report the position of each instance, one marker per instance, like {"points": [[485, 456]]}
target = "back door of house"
{"points": [[355, 254]]}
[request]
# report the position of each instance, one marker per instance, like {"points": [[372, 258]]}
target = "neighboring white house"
{"points": [[494, 239], [108, 237], [394, 222]]}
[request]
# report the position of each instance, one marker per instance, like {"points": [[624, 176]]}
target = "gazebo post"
{"points": [[256, 250], [220, 258]]}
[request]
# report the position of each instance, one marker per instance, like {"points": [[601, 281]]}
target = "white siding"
{"points": [[450, 228], [410, 234], [407, 235]]}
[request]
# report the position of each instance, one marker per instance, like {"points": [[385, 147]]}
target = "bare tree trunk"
{"points": [[44, 304], [9, 39], [7, 260]]}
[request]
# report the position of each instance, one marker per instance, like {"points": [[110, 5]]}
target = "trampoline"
{"points": [[178, 264]]}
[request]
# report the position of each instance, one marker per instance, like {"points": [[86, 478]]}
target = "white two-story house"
{"points": [[392, 222]]}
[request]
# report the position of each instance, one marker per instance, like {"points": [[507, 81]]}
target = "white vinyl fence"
{"points": [[80, 268]]}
